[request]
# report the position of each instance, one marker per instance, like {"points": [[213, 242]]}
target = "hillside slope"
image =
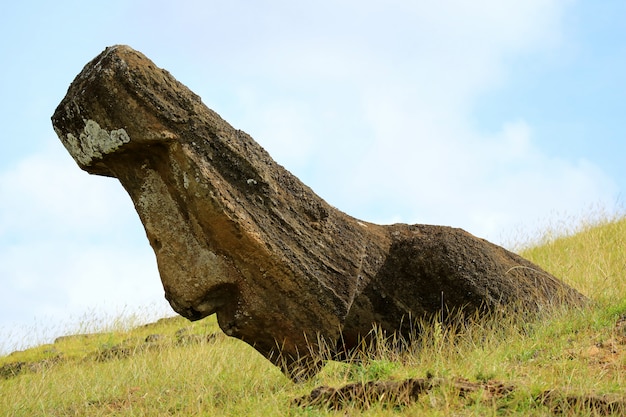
{"points": [[571, 361]]}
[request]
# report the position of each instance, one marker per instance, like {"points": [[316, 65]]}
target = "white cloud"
{"points": [[450, 174], [46, 192], [71, 244]]}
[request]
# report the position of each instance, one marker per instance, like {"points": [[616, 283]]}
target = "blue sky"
{"points": [[500, 117]]}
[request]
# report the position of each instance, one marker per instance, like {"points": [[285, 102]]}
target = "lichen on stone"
{"points": [[94, 143]]}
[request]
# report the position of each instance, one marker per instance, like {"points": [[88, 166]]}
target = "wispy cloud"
{"points": [[71, 243]]}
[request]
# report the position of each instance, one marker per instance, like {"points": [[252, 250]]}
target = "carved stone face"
{"points": [[223, 219], [237, 235]]}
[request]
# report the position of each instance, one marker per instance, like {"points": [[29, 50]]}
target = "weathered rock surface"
{"points": [[236, 234]]}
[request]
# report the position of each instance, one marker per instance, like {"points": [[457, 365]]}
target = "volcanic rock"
{"points": [[236, 234]]}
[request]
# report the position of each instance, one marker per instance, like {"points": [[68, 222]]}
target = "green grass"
{"points": [[192, 369]]}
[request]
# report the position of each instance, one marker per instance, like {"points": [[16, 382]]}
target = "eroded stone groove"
{"points": [[236, 234]]}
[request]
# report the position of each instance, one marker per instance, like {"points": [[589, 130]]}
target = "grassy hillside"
{"points": [[173, 367]]}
